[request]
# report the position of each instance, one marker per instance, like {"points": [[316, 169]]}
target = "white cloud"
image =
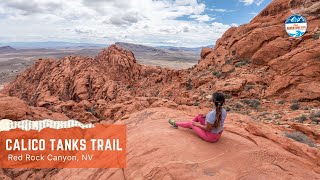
{"points": [[253, 13], [250, 2], [234, 25], [259, 2], [247, 2], [221, 10], [202, 18], [180, 22]]}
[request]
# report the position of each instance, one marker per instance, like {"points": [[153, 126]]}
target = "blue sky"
{"points": [[237, 11], [189, 23], [232, 11]]}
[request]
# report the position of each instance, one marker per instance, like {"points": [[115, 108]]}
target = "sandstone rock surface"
{"points": [[238, 154]]}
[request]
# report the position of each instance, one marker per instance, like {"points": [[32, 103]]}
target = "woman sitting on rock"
{"points": [[209, 127]]}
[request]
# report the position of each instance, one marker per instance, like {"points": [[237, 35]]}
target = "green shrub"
{"points": [[157, 93], [227, 96], [247, 87], [229, 61], [315, 114], [254, 103], [295, 106], [301, 118], [282, 102], [216, 74], [300, 137], [242, 62], [189, 84], [196, 103], [277, 116], [316, 36], [315, 117], [228, 108], [93, 112]]}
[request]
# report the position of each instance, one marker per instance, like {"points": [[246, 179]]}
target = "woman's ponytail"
{"points": [[218, 99], [218, 115]]}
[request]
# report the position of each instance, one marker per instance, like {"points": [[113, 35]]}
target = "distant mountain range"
{"points": [[137, 48], [51, 45], [65, 45], [177, 57], [7, 49], [172, 48], [168, 56]]}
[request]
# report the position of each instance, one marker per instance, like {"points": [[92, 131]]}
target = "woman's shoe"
{"points": [[172, 123]]}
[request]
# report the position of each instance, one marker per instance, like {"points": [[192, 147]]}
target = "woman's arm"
{"points": [[208, 127]]}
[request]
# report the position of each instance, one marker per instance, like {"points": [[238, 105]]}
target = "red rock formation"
{"points": [[76, 86], [292, 62]]}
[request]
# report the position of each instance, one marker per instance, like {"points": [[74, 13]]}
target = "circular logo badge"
{"points": [[296, 25]]}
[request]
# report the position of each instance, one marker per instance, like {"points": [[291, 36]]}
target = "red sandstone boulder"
{"points": [[205, 52], [15, 109], [230, 85]]}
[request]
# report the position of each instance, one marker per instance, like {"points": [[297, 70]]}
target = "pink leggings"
{"points": [[205, 135]]}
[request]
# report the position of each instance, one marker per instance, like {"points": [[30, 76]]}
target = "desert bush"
{"points": [[189, 84], [229, 61], [216, 74], [242, 62], [282, 102], [277, 116], [264, 114], [196, 103], [316, 36], [295, 106], [227, 96], [315, 117], [157, 93], [315, 114], [307, 108], [93, 112], [301, 118], [247, 87], [254, 103], [300, 137]]}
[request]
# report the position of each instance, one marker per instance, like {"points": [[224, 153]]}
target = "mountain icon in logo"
{"points": [[295, 19]]}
